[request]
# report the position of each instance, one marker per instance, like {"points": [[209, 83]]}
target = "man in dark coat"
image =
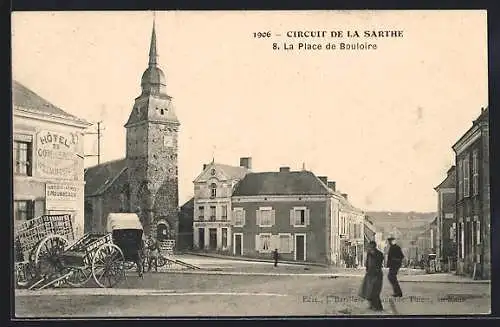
{"points": [[372, 282], [395, 258], [276, 257]]}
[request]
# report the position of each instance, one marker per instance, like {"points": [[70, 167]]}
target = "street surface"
{"points": [[298, 291]]}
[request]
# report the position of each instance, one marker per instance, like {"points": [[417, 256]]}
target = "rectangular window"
{"points": [[478, 232], [212, 213], [285, 245], [462, 241], [224, 237], [22, 157], [239, 217], [460, 176], [213, 190], [24, 210], [475, 173], [224, 212], [452, 233], [201, 213], [264, 242], [466, 177], [265, 217], [300, 217]]}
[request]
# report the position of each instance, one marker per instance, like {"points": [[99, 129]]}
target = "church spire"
{"points": [[153, 54]]}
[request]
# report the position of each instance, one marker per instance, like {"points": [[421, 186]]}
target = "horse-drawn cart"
{"points": [[48, 255]]}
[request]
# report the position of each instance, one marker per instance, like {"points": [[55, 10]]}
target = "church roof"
{"points": [[27, 99], [280, 183], [99, 178]]}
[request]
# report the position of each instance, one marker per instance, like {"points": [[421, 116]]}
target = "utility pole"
{"points": [[99, 136]]}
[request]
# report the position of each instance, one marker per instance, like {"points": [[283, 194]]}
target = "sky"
{"points": [[380, 123]]}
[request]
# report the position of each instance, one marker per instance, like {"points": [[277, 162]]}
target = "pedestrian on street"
{"points": [[276, 257], [372, 282], [395, 258]]}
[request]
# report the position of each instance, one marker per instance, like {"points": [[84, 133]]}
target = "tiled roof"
{"points": [[99, 178], [280, 183], [27, 99], [188, 205], [233, 172]]}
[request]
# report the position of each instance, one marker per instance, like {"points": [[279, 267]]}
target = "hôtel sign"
{"points": [[56, 155]]}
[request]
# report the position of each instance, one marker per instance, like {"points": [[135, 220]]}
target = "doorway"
{"points": [[212, 241], [162, 232], [201, 238], [238, 244], [300, 247]]}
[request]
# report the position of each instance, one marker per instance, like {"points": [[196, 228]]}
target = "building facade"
{"points": [[472, 209], [47, 159], [185, 233], [295, 212], [213, 188], [146, 180], [351, 231], [446, 225]]}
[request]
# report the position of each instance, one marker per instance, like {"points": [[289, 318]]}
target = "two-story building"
{"points": [[47, 159], [446, 225], [472, 208], [351, 225], [292, 211], [213, 189]]}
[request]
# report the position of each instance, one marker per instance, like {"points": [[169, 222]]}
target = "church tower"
{"points": [[152, 146]]}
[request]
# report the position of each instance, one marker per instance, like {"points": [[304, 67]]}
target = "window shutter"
{"points": [[257, 245], [478, 224], [292, 217], [257, 217], [290, 243], [308, 220], [243, 217], [233, 217], [273, 217]]}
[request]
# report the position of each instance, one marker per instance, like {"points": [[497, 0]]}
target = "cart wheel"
{"points": [[80, 275], [108, 265], [47, 255]]}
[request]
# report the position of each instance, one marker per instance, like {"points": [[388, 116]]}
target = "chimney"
{"points": [[345, 196], [332, 185], [246, 162], [284, 169], [205, 166], [324, 179]]}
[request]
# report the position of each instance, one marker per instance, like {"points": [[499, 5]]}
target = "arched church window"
{"points": [[213, 190]]}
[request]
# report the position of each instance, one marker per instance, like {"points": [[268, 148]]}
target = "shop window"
{"points": [[22, 157]]}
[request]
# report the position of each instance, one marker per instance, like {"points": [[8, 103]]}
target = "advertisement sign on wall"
{"points": [[61, 197], [56, 155]]}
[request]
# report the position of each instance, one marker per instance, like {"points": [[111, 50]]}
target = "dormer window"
{"points": [[213, 172], [213, 190]]}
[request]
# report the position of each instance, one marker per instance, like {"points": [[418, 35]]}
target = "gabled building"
{"points": [[212, 207], [146, 180], [47, 153], [472, 208], [446, 224], [295, 212]]}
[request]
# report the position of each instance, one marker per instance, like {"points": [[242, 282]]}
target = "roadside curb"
{"points": [[324, 275], [216, 256]]}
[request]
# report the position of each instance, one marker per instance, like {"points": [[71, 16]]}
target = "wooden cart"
{"points": [[53, 258]]}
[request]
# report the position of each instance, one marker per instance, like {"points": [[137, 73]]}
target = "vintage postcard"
{"points": [[250, 163]]}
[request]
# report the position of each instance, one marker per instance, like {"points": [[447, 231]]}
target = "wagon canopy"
{"points": [[117, 221]]}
